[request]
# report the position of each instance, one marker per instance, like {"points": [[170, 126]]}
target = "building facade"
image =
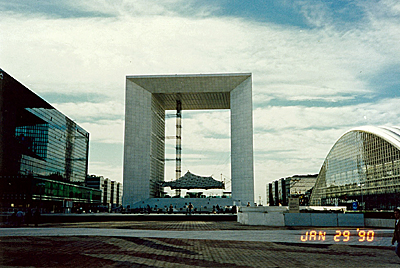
{"points": [[96, 182], [147, 99], [119, 194], [299, 186], [111, 191], [362, 170], [43, 153]]}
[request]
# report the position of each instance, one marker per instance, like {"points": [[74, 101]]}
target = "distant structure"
{"points": [[362, 170], [279, 191], [147, 99], [116, 194], [111, 197], [192, 181], [43, 154]]}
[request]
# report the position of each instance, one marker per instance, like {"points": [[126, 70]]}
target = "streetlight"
{"points": [[362, 198], [41, 187]]}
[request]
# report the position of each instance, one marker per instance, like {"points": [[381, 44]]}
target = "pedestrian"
{"points": [[20, 217], [190, 208], [234, 209], [14, 218], [28, 217], [396, 233], [36, 217]]}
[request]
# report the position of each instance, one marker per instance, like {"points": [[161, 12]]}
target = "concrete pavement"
{"points": [[379, 237], [192, 244]]}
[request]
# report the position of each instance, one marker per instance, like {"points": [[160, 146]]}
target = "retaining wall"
{"points": [[278, 216], [380, 223]]}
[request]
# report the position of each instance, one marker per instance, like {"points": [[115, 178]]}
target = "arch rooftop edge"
{"points": [[389, 134], [195, 91], [187, 75], [189, 83]]}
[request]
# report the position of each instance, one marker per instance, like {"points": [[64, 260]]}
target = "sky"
{"points": [[319, 69]]}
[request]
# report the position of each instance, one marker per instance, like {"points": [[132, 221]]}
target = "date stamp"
{"points": [[339, 236]]}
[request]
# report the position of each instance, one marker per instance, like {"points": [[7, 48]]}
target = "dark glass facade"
{"points": [[55, 190], [55, 147], [39, 144], [363, 167]]}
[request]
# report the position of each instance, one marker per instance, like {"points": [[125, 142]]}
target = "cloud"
{"points": [[88, 111], [105, 131], [202, 131], [104, 50], [49, 9], [327, 65], [113, 172], [277, 119]]}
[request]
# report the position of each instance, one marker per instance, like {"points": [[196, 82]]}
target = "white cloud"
{"points": [[326, 63], [207, 131], [299, 118], [87, 111], [105, 131], [113, 172]]}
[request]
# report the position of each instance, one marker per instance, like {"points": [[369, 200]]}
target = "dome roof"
{"points": [[389, 134]]}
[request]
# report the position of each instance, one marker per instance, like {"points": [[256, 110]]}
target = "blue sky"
{"points": [[319, 69]]}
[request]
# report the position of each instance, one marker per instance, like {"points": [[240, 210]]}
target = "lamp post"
{"points": [[362, 198], [41, 188]]}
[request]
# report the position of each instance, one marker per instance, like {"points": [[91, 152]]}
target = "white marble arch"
{"points": [[147, 98]]}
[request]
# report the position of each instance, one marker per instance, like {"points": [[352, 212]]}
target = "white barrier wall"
{"points": [[278, 216], [267, 216], [380, 223]]}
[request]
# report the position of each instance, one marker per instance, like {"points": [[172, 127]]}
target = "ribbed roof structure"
{"points": [[191, 181], [362, 166], [390, 134]]}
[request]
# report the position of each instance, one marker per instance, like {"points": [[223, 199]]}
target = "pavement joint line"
{"points": [[383, 239]]}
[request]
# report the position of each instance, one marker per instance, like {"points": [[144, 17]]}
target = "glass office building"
{"points": [[362, 170], [43, 153], [51, 145], [279, 191]]}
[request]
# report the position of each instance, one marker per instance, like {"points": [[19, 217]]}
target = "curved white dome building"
{"points": [[363, 165]]}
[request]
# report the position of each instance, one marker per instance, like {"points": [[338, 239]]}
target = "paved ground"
{"points": [[187, 244]]}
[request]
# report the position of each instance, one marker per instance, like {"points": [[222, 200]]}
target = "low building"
{"points": [[279, 191], [119, 194], [116, 194], [300, 186], [111, 192]]}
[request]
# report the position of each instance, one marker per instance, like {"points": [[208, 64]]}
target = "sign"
{"points": [[355, 205], [294, 205]]}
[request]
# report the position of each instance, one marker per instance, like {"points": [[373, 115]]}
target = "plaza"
{"points": [[185, 244]]}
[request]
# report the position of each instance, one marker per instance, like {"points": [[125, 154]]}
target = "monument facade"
{"points": [[147, 99]]}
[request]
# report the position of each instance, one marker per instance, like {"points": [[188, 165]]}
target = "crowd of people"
{"points": [[19, 217], [187, 209]]}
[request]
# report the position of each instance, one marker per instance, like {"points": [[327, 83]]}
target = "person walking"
{"points": [[14, 218], [28, 217], [171, 209], [20, 217], [190, 207], [396, 233], [36, 217]]}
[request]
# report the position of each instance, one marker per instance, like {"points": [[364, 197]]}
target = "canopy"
{"points": [[191, 181]]}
